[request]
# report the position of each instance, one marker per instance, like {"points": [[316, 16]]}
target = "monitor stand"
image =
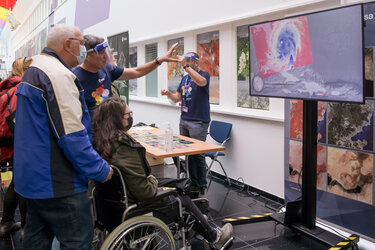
{"points": [[300, 215]]}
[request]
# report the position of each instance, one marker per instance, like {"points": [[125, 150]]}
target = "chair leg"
{"points": [[226, 176], [209, 167]]}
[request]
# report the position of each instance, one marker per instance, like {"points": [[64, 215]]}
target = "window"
{"points": [[208, 51], [175, 70], [132, 64], [151, 78], [244, 100]]}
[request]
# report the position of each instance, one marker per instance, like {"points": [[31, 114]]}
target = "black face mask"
{"points": [[130, 123]]}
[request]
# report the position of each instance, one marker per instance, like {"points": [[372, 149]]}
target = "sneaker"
{"points": [[8, 227], [226, 232], [22, 232]]}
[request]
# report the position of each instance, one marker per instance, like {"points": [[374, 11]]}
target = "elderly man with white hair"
{"points": [[53, 153]]}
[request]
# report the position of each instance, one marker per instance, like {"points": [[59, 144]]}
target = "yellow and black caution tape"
{"points": [[347, 243], [248, 219]]}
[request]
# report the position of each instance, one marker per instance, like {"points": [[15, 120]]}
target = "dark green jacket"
{"points": [[130, 158]]}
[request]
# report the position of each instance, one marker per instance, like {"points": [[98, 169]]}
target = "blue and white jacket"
{"points": [[53, 153]]}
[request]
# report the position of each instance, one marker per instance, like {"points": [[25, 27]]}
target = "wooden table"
{"points": [[153, 140]]}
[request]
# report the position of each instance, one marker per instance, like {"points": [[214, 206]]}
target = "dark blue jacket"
{"points": [[53, 153]]}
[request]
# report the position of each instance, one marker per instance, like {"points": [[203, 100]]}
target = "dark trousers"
{"points": [[11, 200], [202, 226], [68, 218], [197, 163]]}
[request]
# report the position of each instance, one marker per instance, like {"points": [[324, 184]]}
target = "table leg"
{"points": [[178, 167], [187, 165]]}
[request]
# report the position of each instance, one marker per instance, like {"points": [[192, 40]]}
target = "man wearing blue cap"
{"points": [[194, 93], [97, 71]]}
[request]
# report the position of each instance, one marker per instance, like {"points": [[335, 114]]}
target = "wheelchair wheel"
{"points": [[140, 232]]}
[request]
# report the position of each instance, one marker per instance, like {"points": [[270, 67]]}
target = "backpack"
{"points": [[8, 102]]}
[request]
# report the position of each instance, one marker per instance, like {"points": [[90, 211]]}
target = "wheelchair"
{"points": [[143, 226]]}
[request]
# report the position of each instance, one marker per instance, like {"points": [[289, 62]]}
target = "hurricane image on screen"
{"points": [[282, 45], [302, 58]]}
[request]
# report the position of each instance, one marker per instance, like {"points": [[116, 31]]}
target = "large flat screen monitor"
{"points": [[317, 56]]}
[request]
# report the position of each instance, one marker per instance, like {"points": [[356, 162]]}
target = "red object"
{"points": [[282, 45], [8, 4], [8, 100]]}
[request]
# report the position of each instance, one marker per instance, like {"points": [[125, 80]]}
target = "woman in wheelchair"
{"points": [[110, 122]]}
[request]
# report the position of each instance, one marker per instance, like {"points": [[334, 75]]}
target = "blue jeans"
{"points": [[197, 163], [68, 218]]}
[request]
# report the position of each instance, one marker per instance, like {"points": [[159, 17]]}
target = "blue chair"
{"points": [[219, 131]]}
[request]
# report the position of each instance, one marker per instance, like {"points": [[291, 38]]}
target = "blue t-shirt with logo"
{"points": [[195, 100], [97, 86]]}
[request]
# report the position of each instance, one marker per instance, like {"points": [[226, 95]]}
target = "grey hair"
{"points": [[91, 41], [58, 34]]}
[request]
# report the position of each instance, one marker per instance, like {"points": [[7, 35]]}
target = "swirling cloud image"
{"points": [[316, 56], [282, 45]]}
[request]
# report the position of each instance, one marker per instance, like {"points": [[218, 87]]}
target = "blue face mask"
{"points": [[82, 54]]}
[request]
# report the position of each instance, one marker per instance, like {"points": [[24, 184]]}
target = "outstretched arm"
{"points": [[146, 68]]}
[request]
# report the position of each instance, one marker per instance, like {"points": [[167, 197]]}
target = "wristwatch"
{"points": [[157, 61], [186, 65]]}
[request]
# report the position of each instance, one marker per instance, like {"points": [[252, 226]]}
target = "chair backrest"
{"points": [[220, 131], [115, 189]]}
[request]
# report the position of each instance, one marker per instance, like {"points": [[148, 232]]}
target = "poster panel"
{"points": [[208, 51], [120, 48], [133, 62], [244, 100], [175, 70]]}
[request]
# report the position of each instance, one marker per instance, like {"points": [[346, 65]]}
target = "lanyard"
{"points": [[186, 85]]}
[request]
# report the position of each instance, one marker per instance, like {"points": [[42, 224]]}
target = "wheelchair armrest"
{"points": [[160, 195]]}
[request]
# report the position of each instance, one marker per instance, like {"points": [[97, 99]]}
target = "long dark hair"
{"points": [[107, 124]]}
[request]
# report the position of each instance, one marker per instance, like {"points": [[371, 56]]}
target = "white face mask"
{"points": [[82, 54]]}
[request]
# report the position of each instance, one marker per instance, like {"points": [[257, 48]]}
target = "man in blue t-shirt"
{"points": [[193, 92], [97, 72]]}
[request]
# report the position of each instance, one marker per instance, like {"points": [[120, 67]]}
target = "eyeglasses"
{"points": [[81, 42], [129, 113]]}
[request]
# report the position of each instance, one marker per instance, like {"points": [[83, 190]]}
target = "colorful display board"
{"points": [[244, 100], [34, 46], [318, 56], [175, 70], [345, 162], [208, 50], [120, 45]]}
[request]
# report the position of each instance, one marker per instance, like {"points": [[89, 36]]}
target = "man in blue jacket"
{"points": [[53, 153]]}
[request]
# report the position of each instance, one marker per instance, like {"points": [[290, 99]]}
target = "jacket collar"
{"points": [[53, 53], [125, 138]]}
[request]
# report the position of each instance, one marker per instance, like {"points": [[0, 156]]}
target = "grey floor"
{"points": [[225, 202]]}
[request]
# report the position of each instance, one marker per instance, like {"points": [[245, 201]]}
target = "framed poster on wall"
{"points": [[120, 48]]}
